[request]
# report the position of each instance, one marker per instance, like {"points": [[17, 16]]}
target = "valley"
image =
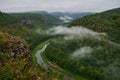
{"points": [[60, 46]]}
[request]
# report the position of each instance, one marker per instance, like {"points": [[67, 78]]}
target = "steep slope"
{"points": [[86, 46], [16, 61], [108, 22], [90, 58], [15, 56], [37, 20], [51, 18], [85, 53], [14, 26], [5, 19]]}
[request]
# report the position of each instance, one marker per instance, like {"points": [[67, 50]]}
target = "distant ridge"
{"points": [[107, 21]]}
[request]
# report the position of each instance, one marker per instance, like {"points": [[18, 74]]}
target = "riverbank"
{"points": [[68, 75], [76, 77], [38, 48]]}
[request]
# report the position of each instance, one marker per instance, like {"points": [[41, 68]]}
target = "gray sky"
{"points": [[58, 5]]}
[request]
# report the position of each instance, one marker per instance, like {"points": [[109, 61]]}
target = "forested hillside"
{"points": [[89, 47], [108, 22], [16, 42], [24, 28], [90, 58], [5, 19], [36, 20], [16, 61]]}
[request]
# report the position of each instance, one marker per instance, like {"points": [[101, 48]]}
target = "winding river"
{"points": [[39, 57], [45, 65]]}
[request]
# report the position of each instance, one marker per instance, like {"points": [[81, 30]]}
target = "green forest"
{"points": [[87, 48], [17, 41], [103, 63], [108, 21]]}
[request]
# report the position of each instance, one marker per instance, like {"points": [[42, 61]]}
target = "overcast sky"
{"points": [[58, 5]]}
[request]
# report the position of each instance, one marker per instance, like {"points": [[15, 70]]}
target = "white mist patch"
{"points": [[66, 18], [77, 32], [82, 52]]}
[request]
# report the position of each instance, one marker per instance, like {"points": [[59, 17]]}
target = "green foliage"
{"points": [[37, 21], [22, 30], [6, 19], [15, 69], [16, 62], [97, 66], [21, 68], [38, 48], [108, 22], [93, 66], [2, 38]]}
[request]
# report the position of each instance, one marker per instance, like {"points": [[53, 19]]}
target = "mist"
{"points": [[75, 32], [66, 18], [82, 52]]}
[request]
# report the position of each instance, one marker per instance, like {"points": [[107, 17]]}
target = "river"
{"points": [[39, 58], [45, 65]]}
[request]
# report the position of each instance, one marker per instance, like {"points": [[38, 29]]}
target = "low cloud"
{"points": [[66, 18], [77, 32], [82, 52], [58, 5]]}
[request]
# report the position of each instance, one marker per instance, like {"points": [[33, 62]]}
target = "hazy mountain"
{"points": [[74, 15], [39, 17]]}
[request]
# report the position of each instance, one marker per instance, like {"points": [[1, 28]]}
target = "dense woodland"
{"points": [[17, 40], [103, 63], [20, 33], [25, 26], [93, 66], [108, 22]]}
